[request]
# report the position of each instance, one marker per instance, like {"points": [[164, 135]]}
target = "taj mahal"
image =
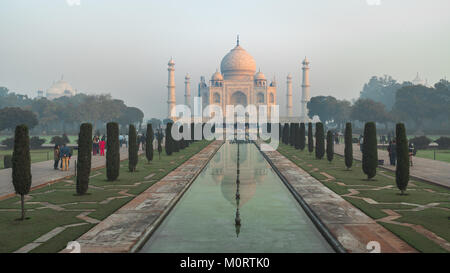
{"points": [[238, 83]]}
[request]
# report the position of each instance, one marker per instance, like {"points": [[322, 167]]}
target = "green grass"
{"points": [[435, 219], [441, 155], [16, 234], [72, 138]]}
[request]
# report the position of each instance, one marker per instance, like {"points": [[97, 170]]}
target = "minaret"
{"points": [[171, 88], [289, 96], [305, 91], [187, 91]]}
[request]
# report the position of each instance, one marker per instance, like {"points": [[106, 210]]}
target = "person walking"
{"points": [[65, 155], [56, 156], [394, 153], [125, 139], [95, 145], [102, 145], [411, 152], [361, 141]]}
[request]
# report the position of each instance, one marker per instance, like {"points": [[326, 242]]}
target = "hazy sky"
{"points": [[122, 47]]}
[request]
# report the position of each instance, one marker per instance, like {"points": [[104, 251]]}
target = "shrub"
{"points": [[444, 142], [310, 138], [292, 134], [7, 161], [9, 142], [320, 140], [132, 148], [66, 138], [149, 143], [159, 140], [370, 152], [297, 136], [84, 158], [348, 150], [58, 140], [286, 133], [402, 167], [421, 142], [21, 164], [112, 151], [330, 146], [302, 136], [36, 142], [168, 146]]}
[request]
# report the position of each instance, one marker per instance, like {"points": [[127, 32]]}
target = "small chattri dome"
{"points": [[217, 76], [260, 76], [171, 62]]}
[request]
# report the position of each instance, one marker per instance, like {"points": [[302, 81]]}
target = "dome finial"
{"points": [[237, 42]]}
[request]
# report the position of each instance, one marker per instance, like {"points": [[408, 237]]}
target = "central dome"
{"points": [[238, 64]]}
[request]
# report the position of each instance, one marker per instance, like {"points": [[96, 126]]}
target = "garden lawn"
{"points": [[441, 155], [57, 205], [382, 189], [37, 155]]}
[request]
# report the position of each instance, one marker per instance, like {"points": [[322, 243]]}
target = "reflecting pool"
{"points": [[271, 220]]}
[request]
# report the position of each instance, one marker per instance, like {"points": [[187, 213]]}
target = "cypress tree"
{"points": [[302, 140], [297, 136], [168, 142], [112, 151], [280, 133], [159, 140], [348, 151], [310, 138], [370, 153], [320, 140], [21, 164], [84, 158], [149, 143], [402, 167], [192, 132], [330, 146], [132, 148], [286, 133], [292, 134]]}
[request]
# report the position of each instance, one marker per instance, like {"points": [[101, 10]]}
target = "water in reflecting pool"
{"points": [[204, 218]]}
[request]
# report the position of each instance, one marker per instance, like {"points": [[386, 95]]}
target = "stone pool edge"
{"points": [[128, 229], [345, 227]]}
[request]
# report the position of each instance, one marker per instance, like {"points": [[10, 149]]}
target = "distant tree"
{"points": [[8, 142], [443, 142], [10, 117], [366, 110], [59, 140], [310, 138], [382, 90], [168, 142], [302, 138], [402, 167], [348, 150], [84, 158], [112, 151], [149, 143], [323, 107], [421, 142], [320, 140], [330, 146], [370, 152], [36, 142], [7, 161], [21, 165], [132, 148]]}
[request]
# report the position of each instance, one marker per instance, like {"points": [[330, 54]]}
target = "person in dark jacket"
{"points": [[65, 156], [56, 156]]}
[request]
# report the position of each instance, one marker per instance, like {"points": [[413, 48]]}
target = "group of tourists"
{"points": [[392, 150], [63, 155], [98, 145]]}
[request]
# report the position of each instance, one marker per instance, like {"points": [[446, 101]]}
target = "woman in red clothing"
{"points": [[102, 145]]}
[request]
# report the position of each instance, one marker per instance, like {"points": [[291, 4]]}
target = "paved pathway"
{"points": [[434, 171], [351, 227], [132, 224], [43, 172]]}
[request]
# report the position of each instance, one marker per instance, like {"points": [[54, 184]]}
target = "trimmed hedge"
{"points": [[320, 140], [132, 148], [302, 138], [348, 150], [370, 150], [21, 164], [330, 146], [84, 158], [149, 143], [112, 151], [402, 166]]}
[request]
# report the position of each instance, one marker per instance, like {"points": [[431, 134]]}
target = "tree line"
{"points": [[387, 102], [64, 114]]}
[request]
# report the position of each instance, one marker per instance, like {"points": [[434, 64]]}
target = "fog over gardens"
{"points": [[110, 47]]}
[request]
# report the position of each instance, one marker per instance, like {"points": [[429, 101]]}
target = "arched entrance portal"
{"points": [[238, 98]]}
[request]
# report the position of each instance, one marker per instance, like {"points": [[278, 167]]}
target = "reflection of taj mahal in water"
{"points": [[253, 172], [238, 83]]}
